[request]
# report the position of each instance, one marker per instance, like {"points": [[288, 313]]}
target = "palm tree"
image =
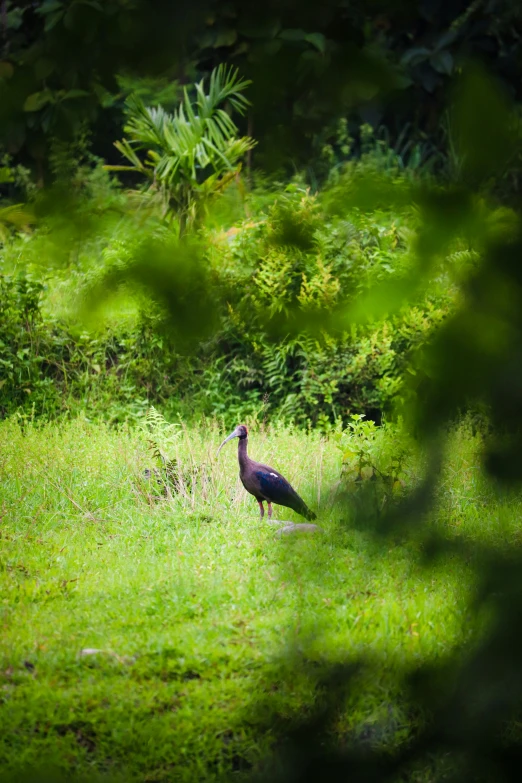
{"points": [[193, 154]]}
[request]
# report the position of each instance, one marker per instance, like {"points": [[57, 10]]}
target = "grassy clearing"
{"points": [[194, 604]]}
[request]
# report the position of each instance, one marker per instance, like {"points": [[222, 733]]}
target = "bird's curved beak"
{"points": [[232, 435]]}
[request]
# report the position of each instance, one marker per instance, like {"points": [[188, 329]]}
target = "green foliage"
{"points": [[19, 345], [374, 152], [60, 63], [163, 441], [370, 452], [48, 371], [378, 463], [192, 154], [469, 711], [287, 259], [308, 75], [15, 180], [162, 436], [13, 217], [152, 91], [311, 377]]}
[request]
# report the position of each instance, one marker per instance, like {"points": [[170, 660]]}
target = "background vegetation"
{"points": [[351, 287], [243, 368]]}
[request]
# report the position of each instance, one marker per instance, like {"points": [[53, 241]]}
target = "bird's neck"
{"points": [[242, 452]]}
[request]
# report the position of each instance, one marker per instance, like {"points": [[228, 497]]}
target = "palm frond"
{"points": [[15, 216], [126, 150], [181, 145], [226, 84]]}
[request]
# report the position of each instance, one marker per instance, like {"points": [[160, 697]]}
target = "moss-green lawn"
{"points": [[142, 634]]}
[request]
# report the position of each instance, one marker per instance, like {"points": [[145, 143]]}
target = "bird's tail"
{"points": [[300, 506], [305, 511]]}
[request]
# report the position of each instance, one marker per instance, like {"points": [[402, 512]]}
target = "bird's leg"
{"points": [[269, 509], [261, 508]]}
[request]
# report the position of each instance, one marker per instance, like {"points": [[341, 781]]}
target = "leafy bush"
{"points": [[287, 259], [49, 370], [377, 462], [313, 377]]}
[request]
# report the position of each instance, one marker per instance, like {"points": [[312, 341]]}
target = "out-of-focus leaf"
{"points": [[293, 34], [483, 125], [43, 68], [429, 78], [175, 275], [53, 11], [16, 216], [15, 18], [75, 94], [105, 98], [6, 69], [266, 28], [270, 48], [242, 48], [447, 38], [318, 40], [442, 61], [49, 6], [38, 100], [206, 39], [93, 4], [416, 55], [403, 81], [6, 175], [367, 192], [226, 37]]}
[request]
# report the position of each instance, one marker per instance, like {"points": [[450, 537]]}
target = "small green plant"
{"points": [[162, 436], [372, 453], [171, 475]]}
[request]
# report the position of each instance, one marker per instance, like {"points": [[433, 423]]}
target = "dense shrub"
{"points": [[292, 259], [48, 370], [285, 259]]}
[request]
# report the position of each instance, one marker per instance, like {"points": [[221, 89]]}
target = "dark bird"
{"points": [[263, 482]]}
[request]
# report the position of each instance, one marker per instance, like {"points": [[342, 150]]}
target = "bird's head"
{"points": [[240, 432]]}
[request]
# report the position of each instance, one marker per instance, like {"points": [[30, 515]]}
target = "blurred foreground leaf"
{"points": [[175, 276]]}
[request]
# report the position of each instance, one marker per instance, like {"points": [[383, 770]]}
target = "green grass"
{"points": [[196, 605]]}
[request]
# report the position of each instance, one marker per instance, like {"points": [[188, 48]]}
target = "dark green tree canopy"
{"points": [[381, 62]]}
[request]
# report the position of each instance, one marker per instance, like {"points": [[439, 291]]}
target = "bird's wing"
{"points": [[277, 490]]}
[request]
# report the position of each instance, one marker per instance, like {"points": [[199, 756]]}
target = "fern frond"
{"points": [[161, 435]]}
